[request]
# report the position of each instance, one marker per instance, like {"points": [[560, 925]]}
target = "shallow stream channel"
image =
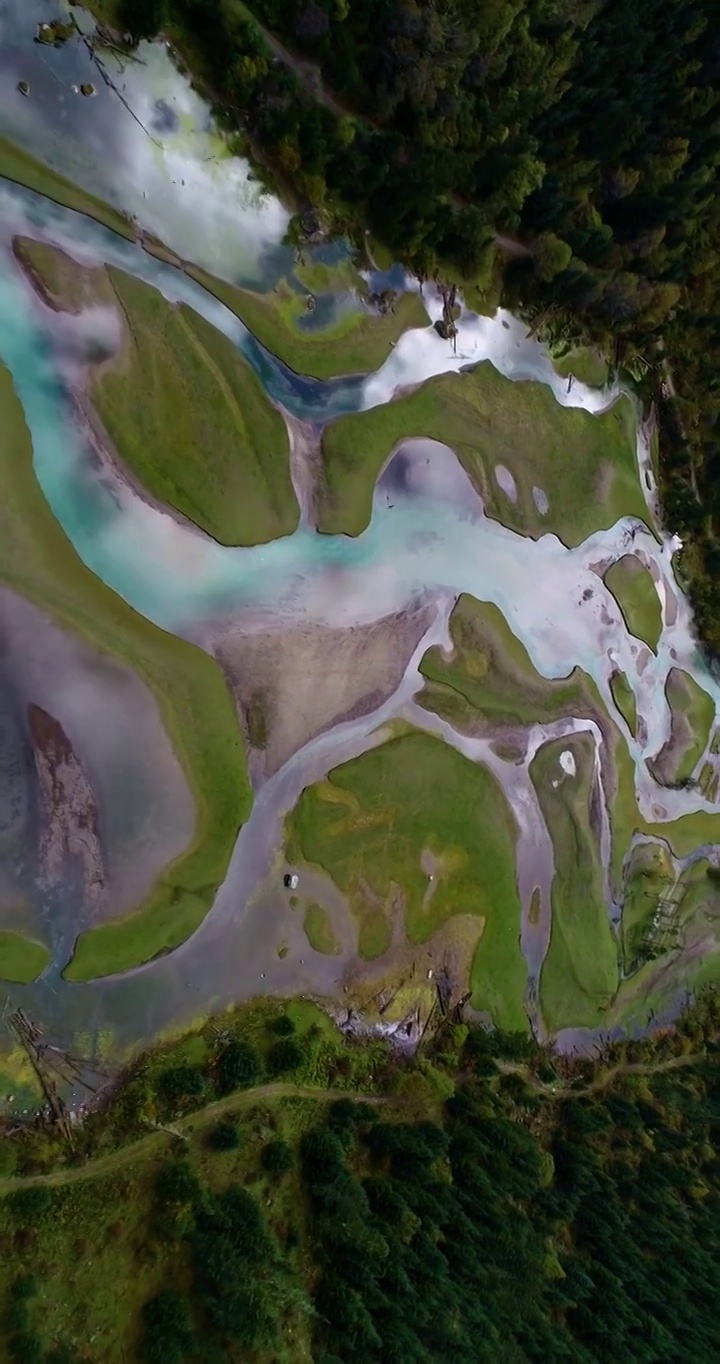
{"points": [[428, 541]]}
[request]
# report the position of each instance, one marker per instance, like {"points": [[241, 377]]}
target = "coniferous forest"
{"points": [[587, 131], [268, 1192]]}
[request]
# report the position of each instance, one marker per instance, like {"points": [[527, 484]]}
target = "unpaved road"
{"points": [[125, 1155]]}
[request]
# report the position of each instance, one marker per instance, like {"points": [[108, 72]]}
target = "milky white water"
{"points": [[428, 537], [168, 167]]}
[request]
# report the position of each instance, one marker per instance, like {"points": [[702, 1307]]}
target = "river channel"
{"points": [[430, 543]]}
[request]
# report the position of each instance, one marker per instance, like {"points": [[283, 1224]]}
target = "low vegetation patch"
{"points": [[490, 678], [22, 959], [359, 343], [319, 931], [580, 972], [18, 165], [634, 591], [369, 824], [585, 464], [624, 698]]}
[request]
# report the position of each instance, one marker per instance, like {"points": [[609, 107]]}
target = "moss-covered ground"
{"points": [[369, 825], [21, 958], [37, 560], [634, 591], [580, 972], [181, 405], [585, 464]]}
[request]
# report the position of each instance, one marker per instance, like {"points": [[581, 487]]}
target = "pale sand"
{"points": [[311, 677]]}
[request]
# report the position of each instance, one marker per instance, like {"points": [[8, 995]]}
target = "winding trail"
{"points": [[196, 1121], [563, 1090], [201, 1118]]}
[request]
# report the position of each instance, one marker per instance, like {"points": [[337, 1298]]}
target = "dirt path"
{"points": [[563, 1090], [125, 1155]]}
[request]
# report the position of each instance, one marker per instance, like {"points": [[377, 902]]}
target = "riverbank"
{"points": [[39, 562], [184, 410]]}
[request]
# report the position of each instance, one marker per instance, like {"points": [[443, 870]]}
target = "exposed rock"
{"points": [[71, 825]]}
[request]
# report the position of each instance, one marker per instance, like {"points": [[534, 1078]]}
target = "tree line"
{"points": [[545, 1209]]}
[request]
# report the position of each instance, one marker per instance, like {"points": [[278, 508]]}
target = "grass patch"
{"points": [[22, 959], [580, 972], [624, 698], [586, 465], [586, 365], [24, 169], [696, 710], [490, 673], [37, 560], [183, 408], [375, 935], [368, 825], [358, 343], [634, 591], [319, 930], [319, 278], [649, 873]]}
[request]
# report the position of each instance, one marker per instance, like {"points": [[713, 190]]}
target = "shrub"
{"points": [[224, 1136], [25, 1348], [277, 1157], [283, 1025], [31, 1205], [177, 1183], [238, 1065], [285, 1055], [25, 1286], [16, 1316], [182, 1082]]}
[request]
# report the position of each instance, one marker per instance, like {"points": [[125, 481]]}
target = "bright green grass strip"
{"points": [[649, 875], [37, 560], [22, 959], [624, 698], [686, 698], [368, 824], [585, 465], [319, 930], [184, 409], [491, 673], [634, 591], [24, 169], [358, 344], [580, 972]]}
